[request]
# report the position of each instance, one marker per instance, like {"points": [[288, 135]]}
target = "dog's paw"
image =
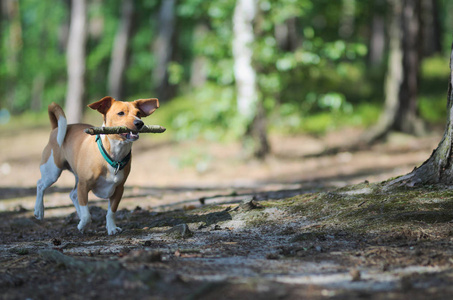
{"points": [[83, 224], [114, 230], [39, 213]]}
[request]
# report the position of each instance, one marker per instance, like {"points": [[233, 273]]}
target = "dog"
{"points": [[100, 164]]}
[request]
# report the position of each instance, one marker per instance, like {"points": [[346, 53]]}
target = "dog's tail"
{"points": [[58, 119]]}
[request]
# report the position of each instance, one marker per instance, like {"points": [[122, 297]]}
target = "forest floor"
{"points": [[201, 222]]}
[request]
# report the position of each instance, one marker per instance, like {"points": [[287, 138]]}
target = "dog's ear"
{"points": [[146, 106], [102, 105]]}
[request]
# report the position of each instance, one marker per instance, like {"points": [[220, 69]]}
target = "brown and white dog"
{"points": [[70, 148]]}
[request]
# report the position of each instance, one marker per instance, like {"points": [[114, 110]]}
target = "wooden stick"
{"points": [[124, 129]]}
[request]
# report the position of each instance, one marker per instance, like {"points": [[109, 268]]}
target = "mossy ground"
{"points": [[288, 244], [371, 209]]}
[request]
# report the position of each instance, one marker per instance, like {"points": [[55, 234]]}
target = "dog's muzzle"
{"points": [[130, 136]]}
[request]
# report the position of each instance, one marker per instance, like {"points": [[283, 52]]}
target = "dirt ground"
{"points": [[202, 222]]}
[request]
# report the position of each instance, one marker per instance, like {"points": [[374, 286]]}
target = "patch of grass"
{"points": [[362, 115], [27, 120], [256, 218], [433, 108], [317, 123], [432, 98], [435, 67]]}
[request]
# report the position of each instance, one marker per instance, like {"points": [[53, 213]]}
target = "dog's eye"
{"points": [[121, 113], [138, 115]]}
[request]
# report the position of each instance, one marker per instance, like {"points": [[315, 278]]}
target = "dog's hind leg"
{"points": [[82, 197], [73, 196], [49, 174]]}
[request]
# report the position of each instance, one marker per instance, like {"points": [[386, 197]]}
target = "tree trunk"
{"points": [[256, 134], [377, 38], [13, 48], [347, 20], [199, 70], [119, 52], [287, 36], [431, 29], [163, 49], [438, 169], [249, 105], [15, 41], [401, 88], [407, 119], [37, 91], [76, 61], [63, 30]]}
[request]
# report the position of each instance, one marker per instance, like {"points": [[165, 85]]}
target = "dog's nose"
{"points": [[138, 124]]}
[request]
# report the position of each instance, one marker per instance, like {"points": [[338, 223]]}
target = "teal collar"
{"points": [[117, 165]]}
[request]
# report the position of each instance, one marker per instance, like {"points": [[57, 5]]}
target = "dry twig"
{"points": [[124, 129]]}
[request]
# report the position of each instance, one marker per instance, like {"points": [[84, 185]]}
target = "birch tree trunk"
{"points": [[76, 61], [243, 38], [249, 105], [438, 169], [163, 49], [119, 52]]}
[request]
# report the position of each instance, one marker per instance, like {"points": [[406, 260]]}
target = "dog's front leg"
{"points": [[85, 217], [114, 201]]}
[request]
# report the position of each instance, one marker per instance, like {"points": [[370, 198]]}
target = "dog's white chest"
{"points": [[105, 186]]}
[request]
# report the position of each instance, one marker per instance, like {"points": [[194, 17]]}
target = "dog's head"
{"points": [[129, 114]]}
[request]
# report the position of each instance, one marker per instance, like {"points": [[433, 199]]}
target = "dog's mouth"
{"points": [[130, 136]]}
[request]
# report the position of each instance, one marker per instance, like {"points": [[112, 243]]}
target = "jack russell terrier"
{"points": [[99, 163]]}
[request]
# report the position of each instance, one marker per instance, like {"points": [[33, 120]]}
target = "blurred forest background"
{"points": [[232, 69]]}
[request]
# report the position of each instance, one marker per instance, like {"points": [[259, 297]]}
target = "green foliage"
{"points": [[433, 89], [308, 81], [206, 113], [32, 60], [315, 82]]}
